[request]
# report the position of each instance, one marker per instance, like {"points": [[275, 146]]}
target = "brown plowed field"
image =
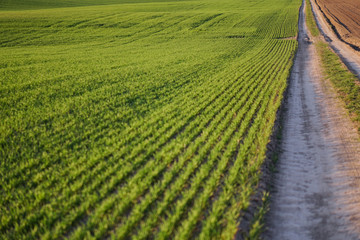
{"points": [[344, 15]]}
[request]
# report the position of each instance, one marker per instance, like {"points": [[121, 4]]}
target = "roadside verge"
{"points": [[345, 82]]}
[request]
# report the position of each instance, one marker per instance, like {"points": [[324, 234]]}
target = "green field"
{"points": [[135, 118]]}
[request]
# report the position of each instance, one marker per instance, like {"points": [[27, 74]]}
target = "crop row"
{"points": [[158, 134]]}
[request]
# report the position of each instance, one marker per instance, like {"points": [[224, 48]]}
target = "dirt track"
{"points": [[349, 56], [316, 192], [344, 15]]}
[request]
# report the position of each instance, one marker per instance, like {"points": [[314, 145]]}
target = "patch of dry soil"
{"points": [[316, 192], [344, 15], [348, 55]]}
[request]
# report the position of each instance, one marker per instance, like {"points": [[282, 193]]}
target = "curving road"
{"points": [[316, 189]]}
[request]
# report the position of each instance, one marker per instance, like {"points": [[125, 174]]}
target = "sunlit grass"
{"points": [[143, 120]]}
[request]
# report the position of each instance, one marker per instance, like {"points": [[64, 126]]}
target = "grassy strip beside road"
{"points": [[310, 20], [346, 83]]}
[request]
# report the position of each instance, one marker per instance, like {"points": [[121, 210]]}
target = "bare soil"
{"points": [[344, 15], [316, 189], [347, 53]]}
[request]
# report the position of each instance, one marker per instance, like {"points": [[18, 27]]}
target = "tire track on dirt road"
{"points": [[315, 191]]}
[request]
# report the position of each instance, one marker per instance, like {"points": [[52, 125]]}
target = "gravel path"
{"points": [[316, 192]]}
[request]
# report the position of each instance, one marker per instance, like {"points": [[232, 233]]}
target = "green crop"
{"points": [[137, 119]]}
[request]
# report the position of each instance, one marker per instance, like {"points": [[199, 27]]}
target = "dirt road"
{"points": [[349, 56], [344, 16], [316, 192]]}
